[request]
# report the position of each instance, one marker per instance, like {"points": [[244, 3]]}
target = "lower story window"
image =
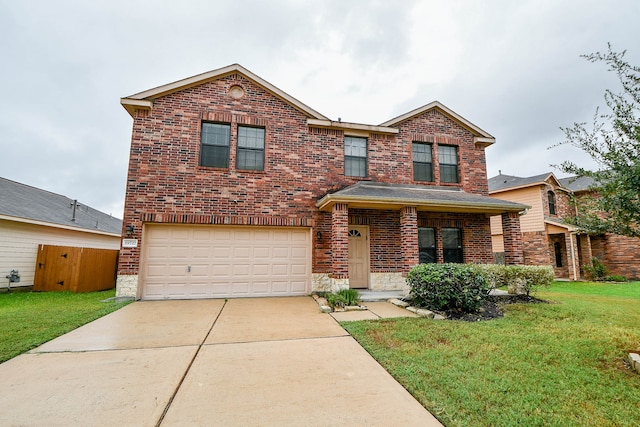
{"points": [[452, 245], [557, 248], [427, 245]]}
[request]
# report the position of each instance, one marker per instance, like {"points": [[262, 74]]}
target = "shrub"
{"points": [[343, 298], [459, 287], [519, 279], [616, 278], [596, 270]]}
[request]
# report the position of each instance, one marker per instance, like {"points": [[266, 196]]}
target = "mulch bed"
{"points": [[492, 308]]}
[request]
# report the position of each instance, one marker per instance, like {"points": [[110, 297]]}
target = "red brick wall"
{"points": [[409, 237], [620, 254], [563, 204], [436, 128], [165, 182], [536, 248], [512, 239]]}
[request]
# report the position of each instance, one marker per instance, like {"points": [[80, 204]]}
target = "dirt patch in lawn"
{"points": [[492, 308]]}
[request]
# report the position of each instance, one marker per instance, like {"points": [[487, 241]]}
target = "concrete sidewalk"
{"points": [[268, 361]]}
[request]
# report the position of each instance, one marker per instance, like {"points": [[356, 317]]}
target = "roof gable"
{"points": [[144, 100], [480, 136], [23, 203]]}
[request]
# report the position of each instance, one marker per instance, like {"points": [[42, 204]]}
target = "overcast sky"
{"points": [[513, 68]]}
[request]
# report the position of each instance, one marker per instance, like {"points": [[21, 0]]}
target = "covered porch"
{"points": [[379, 231]]}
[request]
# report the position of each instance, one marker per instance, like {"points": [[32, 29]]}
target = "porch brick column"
{"points": [[585, 252], [573, 262], [513, 249], [409, 237], [340, 241]]}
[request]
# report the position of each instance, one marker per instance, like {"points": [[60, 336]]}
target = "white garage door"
{"points": [[185, 262]]}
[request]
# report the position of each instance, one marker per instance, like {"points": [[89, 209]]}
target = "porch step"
{"points": [[374, 296]]}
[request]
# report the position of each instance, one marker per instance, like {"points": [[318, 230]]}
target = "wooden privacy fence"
{"points": [[64, 268]]}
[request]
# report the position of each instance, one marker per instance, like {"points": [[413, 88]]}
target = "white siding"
{"points": [[19, 246]]}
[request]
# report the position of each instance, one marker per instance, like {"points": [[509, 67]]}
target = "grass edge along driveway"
{"points": [[559, 364], [29, 319]]}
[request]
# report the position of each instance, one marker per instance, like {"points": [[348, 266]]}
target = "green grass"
{"points": [[559, 364], [28, 319]]}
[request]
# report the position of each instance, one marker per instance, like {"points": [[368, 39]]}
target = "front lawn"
{"points": [[28, 319], [560, 364]]}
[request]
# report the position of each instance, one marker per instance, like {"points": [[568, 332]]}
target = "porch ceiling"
{"points": [[376, 195]]}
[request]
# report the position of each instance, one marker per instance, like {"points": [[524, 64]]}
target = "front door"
{"points": [[359, 257]]}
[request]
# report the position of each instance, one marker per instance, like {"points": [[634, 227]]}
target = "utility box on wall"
{"points": [[64, 268]]}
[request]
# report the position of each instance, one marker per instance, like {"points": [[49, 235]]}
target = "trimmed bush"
{"points": [[615, 278], [460, 287], [519, 279], [596, 270], [343, 298]]}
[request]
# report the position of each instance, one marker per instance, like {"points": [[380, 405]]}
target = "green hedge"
{"points": [[459, 287], [463, 287], [519, 279]]}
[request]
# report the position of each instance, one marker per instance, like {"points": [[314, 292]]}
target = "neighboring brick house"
{"points": [[621, 254], [547, 239], [235, 188]]}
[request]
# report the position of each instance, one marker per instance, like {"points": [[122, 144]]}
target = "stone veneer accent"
{"points": [[323, 282], [388, 282], [127, 285]]}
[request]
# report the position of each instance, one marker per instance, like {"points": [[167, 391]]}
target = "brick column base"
{"points": [[340, 241], [409, 237], [513, 253]]}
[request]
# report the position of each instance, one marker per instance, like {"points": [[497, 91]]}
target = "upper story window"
{"points": [[552, 202], [448, 158], [422, 162], [250, 154], [214, 145], [355, 156]]}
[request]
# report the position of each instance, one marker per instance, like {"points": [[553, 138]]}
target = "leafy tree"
{"points": [[613, 141]]}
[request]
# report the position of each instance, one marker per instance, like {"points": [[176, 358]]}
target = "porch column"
{"points": [[409, 237], [513, 249], [340, 241], [584, 249], [573, 263]]}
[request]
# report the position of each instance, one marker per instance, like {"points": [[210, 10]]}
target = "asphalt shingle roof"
{"points": [[575, 183], [502, 182], [23, 201], [432, 194]]}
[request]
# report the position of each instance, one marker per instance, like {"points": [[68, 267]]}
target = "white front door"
{"points": [[359, 257]]}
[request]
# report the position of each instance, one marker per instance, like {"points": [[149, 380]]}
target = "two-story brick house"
{"points": [[546, 238], [235, 188], [620, 254]]}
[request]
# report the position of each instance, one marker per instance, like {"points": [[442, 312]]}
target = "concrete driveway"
{"points": [[267, 361]]}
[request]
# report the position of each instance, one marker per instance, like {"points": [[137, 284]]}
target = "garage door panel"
{"points": [[220, 289], [280, 269], [299, 270], [298, 286], [221, 270], [184, 261], [239, 288], [221, 253], [242, 252], [280, 253], [262, 252], [260, 270], [260, 288]]}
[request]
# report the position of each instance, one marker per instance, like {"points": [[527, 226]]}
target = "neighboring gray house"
{"points": [[30, 217]]}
